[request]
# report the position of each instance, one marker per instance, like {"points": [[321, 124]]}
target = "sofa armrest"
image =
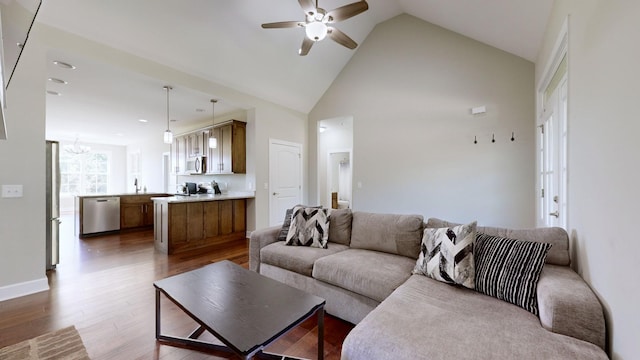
{"points": [[568, 306], [258, 240]]}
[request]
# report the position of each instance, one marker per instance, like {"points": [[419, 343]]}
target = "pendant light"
{"points": [[168, 135], [213, 142]]}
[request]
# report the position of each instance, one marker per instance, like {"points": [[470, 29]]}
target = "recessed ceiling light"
{"points": [[143, 120], [57, 81], [53, 93], [64, 65]]}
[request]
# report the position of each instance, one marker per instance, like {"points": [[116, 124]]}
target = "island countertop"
{"points": [[231, 195], [149, 193]]}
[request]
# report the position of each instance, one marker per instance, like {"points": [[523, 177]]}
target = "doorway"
{"points": [[339, 179], [335, 162]]}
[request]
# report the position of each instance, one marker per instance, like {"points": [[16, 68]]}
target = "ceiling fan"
{"points": [[318, 23]]}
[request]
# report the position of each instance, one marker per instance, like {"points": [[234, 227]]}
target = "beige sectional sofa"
{"points": [[365, 275]]}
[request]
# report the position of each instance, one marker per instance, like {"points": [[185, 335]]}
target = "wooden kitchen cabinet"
{"points": [[179, 155], [184, 226], [136, 211], [230, 156]]}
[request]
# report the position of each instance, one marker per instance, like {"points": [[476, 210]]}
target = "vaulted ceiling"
{"points": [[222, 41]]}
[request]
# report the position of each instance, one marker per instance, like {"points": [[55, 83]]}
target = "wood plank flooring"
{"points": [[104, 286]]}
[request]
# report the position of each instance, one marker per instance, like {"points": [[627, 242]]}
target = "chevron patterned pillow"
{"points": [[447, 255], [309, 227], [509, 269]]}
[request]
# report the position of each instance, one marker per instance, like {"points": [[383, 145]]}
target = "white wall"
{"points": [[22, 162], [150, 158], [604, 196], [409, 89]]}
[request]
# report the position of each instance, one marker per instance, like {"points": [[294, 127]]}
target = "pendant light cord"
{"points": [[167, 87]]}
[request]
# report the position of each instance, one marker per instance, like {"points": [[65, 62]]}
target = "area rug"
{"points": [[64, 344]]}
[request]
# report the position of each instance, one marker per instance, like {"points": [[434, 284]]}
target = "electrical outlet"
{"points": [[11, 191]]}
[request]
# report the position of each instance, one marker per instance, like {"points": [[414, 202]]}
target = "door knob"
{"points": [[555, 213], [275, 194]]}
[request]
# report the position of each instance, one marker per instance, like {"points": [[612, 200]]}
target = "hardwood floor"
{"points": [[103, 286]]}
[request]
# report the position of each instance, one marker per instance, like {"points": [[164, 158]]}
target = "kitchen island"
{"points": [[102, 213], [183, 223]]}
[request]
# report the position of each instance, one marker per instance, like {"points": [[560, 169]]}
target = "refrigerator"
{"points": [[52, 204]]}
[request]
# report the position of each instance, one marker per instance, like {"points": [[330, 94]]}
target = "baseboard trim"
{"points": [[25, 288], [249, 234]]}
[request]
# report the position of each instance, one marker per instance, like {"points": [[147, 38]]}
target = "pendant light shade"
{"points": [[213, 142], [168, 135]]}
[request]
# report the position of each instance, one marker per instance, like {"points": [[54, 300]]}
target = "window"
{"points": [[84, 173]]}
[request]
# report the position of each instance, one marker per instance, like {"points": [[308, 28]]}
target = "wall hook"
{"points": [[475, 139], [512, 137], [493, 138]]}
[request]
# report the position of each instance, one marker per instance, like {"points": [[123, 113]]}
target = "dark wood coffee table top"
{"points": [[245, 310]]}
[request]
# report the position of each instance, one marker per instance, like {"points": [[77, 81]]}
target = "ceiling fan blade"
{"points": [[341, 38], [347, 11], [308, 6], [306, 46], [282, 24]]}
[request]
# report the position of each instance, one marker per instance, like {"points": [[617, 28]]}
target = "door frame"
{"points": [[558, 52], [272, 172], [330, 173]]}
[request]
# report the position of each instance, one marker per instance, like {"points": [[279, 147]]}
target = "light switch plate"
{"points": [[11, 191]]}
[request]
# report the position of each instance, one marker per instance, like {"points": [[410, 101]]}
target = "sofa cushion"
{"points": [[557, 237], [425, 319], [309, 227], [390, 233], [298, 259], [340, 226], [369, 273], [509, 269], [447, 255]]}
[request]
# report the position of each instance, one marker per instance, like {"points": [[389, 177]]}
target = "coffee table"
{"points": [[246, 311]]}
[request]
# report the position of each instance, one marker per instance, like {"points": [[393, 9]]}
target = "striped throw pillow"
{"points": [[509, 269]]}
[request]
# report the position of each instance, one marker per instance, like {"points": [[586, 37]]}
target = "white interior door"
{"points": [[285, 178]]}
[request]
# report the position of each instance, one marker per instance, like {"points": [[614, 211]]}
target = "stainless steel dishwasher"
{"points": [[100, 214]]}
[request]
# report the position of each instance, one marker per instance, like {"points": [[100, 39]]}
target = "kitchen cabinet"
{"points": [[136, 211], [190, 225], [230, 156], [179, 154]]}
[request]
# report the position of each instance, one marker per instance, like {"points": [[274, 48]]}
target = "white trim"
{"points": [[25, 288], [560, 49], [558, 52]]}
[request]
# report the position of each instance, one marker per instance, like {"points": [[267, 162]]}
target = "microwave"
{"points": [[197, 165]]}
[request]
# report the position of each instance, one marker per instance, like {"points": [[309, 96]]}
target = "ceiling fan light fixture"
{"points": [[316, 31]]}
